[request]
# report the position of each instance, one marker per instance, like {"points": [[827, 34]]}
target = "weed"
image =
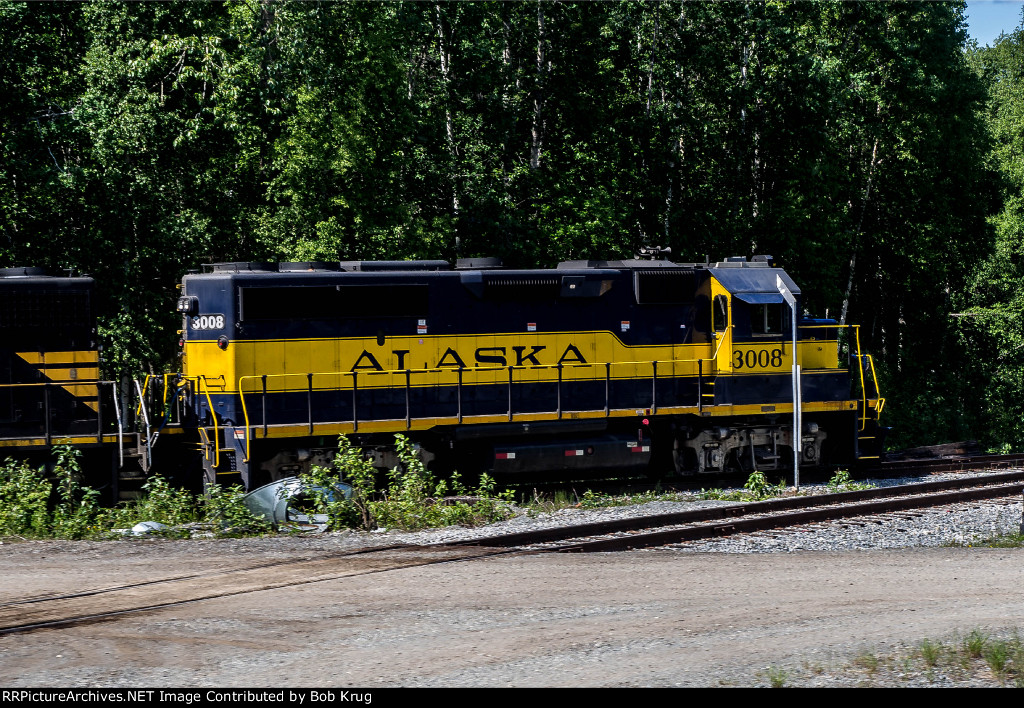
{"points": [[491, 505], [541, 504], [757, 485], [867, 661], [77, 510], [776, 676], [973, 644], [842, 482], [929, 652], [719, 494], [35, 504], [594, 500], [997, 656], [756, 488], [972, 657], [39, 505], [350, 465], [815, 668], [24, 500], [1016, 667], [1010, 540], [413, 498], [223, 508], [160, 502], [907, 665]]}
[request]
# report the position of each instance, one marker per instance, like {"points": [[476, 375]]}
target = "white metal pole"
{"points": [[799, 415], [788, 296], [797, 437]]}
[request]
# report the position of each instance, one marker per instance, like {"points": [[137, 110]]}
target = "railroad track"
{"points": [[64, 610], [955, 464], [698, 524], [631, 483]]}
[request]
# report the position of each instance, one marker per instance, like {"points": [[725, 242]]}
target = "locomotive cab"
{"points": [[753, 355]]}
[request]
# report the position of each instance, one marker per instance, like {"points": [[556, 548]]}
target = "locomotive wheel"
{"points": [[739, 462], [684, 459]]}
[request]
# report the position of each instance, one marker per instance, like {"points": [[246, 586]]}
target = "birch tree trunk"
{"points": [[539, 97], [444, 52], [859, 232]]}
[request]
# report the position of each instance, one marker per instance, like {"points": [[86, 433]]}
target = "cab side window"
{"points": [[721, 312], [766, 319]]}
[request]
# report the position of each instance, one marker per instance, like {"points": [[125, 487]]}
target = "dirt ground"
{"points": [[654, 618]]}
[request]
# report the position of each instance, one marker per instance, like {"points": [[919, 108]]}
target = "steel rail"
{"points": [[951, 464], [736, 511], [789, 519]]}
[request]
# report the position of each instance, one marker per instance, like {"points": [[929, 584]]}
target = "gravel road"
{"points": [[733, 612]]}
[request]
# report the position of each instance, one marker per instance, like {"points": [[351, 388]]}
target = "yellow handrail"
{"points": [[142, 394], [163, 399], [309, 376], [871, 363], [145, 387], [880, 401], [726, 334], [860, 369], [393, 372], [216, 430], [880, 404], [245, 415]]}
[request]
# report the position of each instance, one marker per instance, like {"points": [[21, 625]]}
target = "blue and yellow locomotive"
{"points": [[51, 391], [588, 366]]}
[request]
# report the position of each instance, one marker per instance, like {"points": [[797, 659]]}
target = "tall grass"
{"points": [[35, 503]]}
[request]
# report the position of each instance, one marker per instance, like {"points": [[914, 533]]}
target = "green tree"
{"points": [[992, 317]]}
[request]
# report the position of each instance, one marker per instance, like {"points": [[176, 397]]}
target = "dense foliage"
{"points": [[412, 499], [991, 312], [864, 145], [41, 503], [36, 503]]}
